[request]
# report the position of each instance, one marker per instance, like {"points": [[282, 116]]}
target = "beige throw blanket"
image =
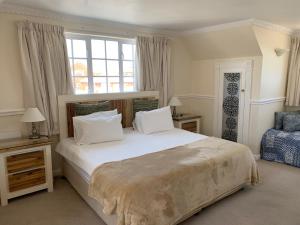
{"points": [[165, 187]]}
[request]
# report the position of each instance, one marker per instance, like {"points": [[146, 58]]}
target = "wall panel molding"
{"points": [[267, 101], [196, 96], [11, 112]]}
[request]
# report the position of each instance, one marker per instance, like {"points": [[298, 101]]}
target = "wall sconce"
{"points": [[280, 51]]}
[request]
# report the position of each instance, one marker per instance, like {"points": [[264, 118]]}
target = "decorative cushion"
{"points": [[144, 105], [291, 123], [88, 108], [279, 118]]}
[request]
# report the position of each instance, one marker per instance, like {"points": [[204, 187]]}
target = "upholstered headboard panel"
{"points": [[127, 107], [125, 103]]}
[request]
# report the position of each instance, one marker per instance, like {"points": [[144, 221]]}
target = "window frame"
{"points": [[89, 59]]}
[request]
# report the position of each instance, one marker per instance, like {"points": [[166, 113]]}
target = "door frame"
{"points": [[230, 65]]}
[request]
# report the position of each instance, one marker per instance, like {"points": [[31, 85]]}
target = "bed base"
{"points": [[81, 186]]}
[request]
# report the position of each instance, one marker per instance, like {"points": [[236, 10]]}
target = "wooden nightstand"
{"points": [[25, 167], [188, 122]]}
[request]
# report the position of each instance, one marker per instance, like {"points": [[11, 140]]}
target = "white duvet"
{"points": [[134, 144]]}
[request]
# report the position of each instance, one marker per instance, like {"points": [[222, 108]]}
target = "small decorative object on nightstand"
{"points": [[188, 122], [34, 116], [25, 167], [173, 103]]}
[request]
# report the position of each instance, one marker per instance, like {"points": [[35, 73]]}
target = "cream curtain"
{"points": [[153, 58], [46, 71], [293, 87]]}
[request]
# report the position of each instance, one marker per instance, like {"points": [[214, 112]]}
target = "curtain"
{"points": [[153, 58], [46, 70], [293, 86]]}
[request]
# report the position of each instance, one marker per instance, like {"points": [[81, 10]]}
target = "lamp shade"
{"points": [[32, 115], [175, 102]]}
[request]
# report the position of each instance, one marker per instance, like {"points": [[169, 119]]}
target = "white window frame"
{"points": [[88, 38]]}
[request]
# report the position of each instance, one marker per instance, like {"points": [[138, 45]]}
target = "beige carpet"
{"points": [[274, 202]]}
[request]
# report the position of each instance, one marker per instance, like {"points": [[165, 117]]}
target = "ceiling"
{"points": [[177, 15]]}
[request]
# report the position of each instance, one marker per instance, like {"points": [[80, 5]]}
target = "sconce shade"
{"points": [[281, 51], [175, 101], [32, 115]]}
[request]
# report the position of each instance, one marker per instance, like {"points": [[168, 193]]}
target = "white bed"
{"points": [[80, 160], [88, 157]]}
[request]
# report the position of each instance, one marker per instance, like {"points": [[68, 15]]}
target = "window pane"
{"points": [[128, 84], [81, 85], [112, 68], [113, 84], [99, 68], [100, 85], [127, 68], [127, 51], [69, 47], [98, 49], [80, 67], [112, 50], [79, 48]]}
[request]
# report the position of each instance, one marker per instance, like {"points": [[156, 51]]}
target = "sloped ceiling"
{"points": [[228, 43]]}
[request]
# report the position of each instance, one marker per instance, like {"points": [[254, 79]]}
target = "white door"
{"points": [[233, 88]]}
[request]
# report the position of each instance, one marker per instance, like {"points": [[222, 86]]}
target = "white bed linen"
{"points": [[134, 144]]}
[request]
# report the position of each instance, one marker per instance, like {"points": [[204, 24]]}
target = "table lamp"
{"points": [[173, 103], [33, 115]]}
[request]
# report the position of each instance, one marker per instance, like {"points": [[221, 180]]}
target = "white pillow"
{"points": [[154, 121], [97, 129]]}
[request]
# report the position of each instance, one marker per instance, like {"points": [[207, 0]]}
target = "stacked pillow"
{"points": [[287, 121], [153, 121], [98, 127]]}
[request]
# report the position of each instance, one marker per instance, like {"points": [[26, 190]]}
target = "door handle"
{"points": [[242, 90]]}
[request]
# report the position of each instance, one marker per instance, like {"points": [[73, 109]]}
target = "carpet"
{"points": [[276, 201]]}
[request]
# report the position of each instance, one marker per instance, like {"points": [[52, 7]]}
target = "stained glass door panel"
{"points": [[231, 101]]}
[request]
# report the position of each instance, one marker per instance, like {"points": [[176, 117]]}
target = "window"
{"points": [[101, 65]]}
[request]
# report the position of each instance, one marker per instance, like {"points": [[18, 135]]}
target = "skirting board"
{"points": [[257, 156]]}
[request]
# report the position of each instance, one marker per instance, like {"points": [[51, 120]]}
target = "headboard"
{"points": [[120, 101]]}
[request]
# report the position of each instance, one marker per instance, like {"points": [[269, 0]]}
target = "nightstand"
{"points": [[25, 167], [188, 122]]}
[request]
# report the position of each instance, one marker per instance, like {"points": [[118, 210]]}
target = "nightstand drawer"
{"points": [[26, 179], [25, 161], [190, 126]]}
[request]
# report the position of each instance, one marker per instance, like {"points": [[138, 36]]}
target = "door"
{"points": [[233, 87]]}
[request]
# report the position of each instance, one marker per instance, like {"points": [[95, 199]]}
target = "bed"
{"points": [[281, 146], [194, 168]]}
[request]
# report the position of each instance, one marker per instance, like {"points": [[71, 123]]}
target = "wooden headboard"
{"points": [[120, 101]]}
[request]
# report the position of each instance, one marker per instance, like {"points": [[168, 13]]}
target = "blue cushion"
{"points": [[291, 123], [279, 118]]}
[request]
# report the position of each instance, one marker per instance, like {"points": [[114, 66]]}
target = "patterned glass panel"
{"points": [[231, 106]]}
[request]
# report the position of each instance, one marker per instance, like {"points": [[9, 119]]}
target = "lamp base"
{"points": [[35, 134], [34, 137]]}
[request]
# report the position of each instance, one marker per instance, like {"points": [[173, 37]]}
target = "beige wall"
{"points": [[274, 68], [272, 82], [268, 78], [233, 42], [193, 60], [11, 93]]}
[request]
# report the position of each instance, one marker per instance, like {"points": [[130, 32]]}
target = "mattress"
{"points": [[86, 158]]}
